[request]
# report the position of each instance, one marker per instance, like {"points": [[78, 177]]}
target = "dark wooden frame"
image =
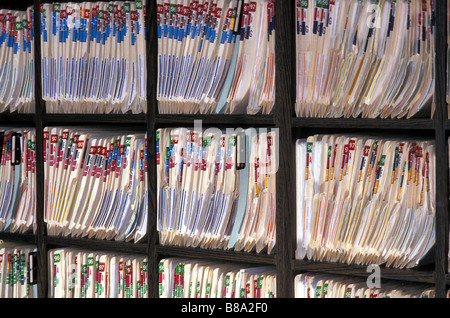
{"points": [[290, 128]]}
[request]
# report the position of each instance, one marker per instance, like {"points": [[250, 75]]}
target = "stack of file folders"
{"points": [[17, 61], [216, 56], [313, 285], [94, 57], [184, 278], [217, 189], [17, 180], [95, 183], [75, 273], [369, 58], [18, 270], [363, 200]]}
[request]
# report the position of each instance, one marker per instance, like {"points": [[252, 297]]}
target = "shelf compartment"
{"points": [[411, 275], [217, 255]]}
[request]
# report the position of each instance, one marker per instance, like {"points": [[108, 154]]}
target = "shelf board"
{"points": [[217, 255], [365, 123], [93, 244], [16, 118], [215, 119], [411, 275], [30, 238], [83, 119]]}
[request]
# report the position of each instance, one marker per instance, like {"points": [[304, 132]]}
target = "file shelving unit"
{"points": [[289, 127]]}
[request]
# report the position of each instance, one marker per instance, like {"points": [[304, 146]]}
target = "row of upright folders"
{"points": [[94, 57], [216, 56], [354, 58], [217, 189], [316, 285], [96, 183], [77, 273], [365, 200], [17, 60], [187, 278], [18, 270], [17, 180], [365, 58]]}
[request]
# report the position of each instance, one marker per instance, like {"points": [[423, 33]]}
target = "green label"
{"points": [[309, 147], [348, 293], [173, 9], [318, 291], [232, 140], [325, 289], [259, 282], [56, 258], [207, 142]]}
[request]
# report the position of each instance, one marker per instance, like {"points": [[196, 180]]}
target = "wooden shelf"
{"points": [[365, 123], [289, 126], [242, 121], [92, 244], [17, 119], [29, 238], [218, 255], [411, 275], [90, 119]]}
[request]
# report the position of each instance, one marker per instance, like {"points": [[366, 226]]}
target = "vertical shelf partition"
{"points": [[289, 128]]}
